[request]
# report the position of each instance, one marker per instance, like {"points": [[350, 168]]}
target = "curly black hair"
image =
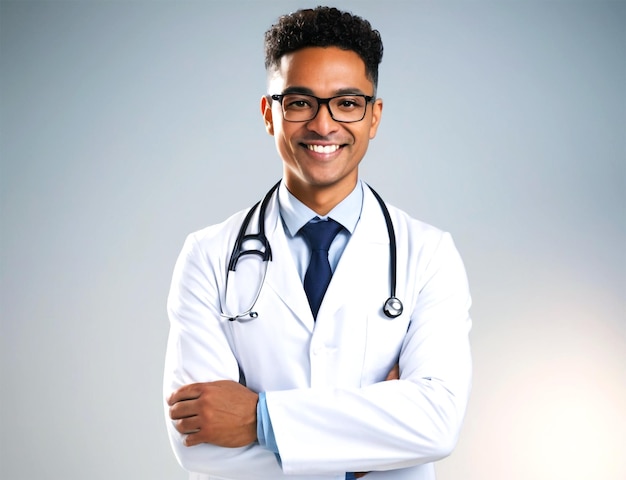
{"points": [[324, 27]]}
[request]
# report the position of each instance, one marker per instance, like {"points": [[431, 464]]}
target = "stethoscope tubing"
{"points": [[260, 237], [393, 261], [392, 307]]}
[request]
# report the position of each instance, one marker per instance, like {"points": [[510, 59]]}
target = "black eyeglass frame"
{"points": [[323, 101]]}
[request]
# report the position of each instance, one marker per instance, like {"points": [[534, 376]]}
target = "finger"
{"points": [[187, 426], [184, 409], [193, 439], [186, 392]]}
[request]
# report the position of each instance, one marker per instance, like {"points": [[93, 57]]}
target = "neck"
{"points": [[320, 198]]}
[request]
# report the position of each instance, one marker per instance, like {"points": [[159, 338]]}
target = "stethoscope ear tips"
{"points": [[393, 307]]}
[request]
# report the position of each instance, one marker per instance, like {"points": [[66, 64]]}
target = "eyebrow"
{"points": [[308, 91]]}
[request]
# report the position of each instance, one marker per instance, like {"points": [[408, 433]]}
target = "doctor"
{"points": [[295, 387]]}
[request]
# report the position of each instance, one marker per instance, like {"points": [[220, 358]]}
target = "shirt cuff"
{"points": [[264, 430]]}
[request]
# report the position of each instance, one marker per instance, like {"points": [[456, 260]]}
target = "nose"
{"points": [[323, 122]]}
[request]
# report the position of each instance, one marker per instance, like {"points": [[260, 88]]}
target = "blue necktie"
{"points": [[319, 236]]}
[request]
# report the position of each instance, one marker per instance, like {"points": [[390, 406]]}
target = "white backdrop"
{"points": [[127, 125]]}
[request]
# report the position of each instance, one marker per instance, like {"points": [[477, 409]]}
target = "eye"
{"points": [[349, 103], [297, 102]]}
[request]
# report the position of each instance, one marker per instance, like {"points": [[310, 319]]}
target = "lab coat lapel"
{"points": [[364, 261], [282, 275]]}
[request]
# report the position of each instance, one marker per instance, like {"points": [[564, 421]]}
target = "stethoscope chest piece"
{"points": [[393, 307]]}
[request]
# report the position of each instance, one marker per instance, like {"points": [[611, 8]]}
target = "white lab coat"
{"points": [[330, 409]]}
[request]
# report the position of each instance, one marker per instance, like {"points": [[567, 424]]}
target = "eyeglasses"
{"points": [[299, 107]]}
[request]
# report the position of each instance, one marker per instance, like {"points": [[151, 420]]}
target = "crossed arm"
{"points": [[221, 413]]}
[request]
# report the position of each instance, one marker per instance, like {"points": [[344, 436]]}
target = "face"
{"points": [[321, 156]]}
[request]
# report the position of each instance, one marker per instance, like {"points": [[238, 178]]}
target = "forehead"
{"points": [[321, 70]]}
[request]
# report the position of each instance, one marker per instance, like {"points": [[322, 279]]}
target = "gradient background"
{"points": [[127, 125]]}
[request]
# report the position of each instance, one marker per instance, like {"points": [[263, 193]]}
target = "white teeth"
{"points": [[323, 148]]}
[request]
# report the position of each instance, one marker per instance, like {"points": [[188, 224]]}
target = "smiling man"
{"points": [[321, 142], [284, 357]]}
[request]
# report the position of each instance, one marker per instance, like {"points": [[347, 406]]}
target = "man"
{"points": [[311, 380]]}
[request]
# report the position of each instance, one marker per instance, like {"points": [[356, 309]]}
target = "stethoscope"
{"points": [[392, 307]]}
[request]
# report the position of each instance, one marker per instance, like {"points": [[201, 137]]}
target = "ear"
{"points": [[377, 111], [266, 111]]}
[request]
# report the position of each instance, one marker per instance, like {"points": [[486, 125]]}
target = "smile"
{"points": [[324, 148]]}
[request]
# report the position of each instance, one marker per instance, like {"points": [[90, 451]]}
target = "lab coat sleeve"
{"points": [[394, 424], [198, 351]]}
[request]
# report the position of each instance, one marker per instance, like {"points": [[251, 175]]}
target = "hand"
{"points": [[394, 374], [222, 413]]}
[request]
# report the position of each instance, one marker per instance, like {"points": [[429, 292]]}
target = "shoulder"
{"points": [[215, 231], [414, 237], [413, 225], [428, 250], [213, 239], [217, 241], [405, 225]]}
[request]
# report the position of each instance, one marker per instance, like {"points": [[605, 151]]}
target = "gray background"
{"points": [[127, 125]]}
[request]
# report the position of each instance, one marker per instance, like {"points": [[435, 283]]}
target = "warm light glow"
{"points": [[568, 427], [549, 392]]}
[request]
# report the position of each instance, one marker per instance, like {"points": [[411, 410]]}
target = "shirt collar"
{"points": [[296, 214]]}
